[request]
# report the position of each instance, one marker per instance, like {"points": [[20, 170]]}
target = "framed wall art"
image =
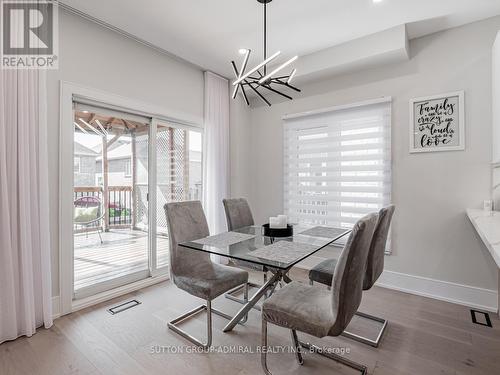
{"points": [[437, 123]]}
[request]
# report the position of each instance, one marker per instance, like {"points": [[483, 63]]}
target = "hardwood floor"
{"points": [[424, 336]]}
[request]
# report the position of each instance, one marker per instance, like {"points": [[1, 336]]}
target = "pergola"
{"points": [[110, 129]]}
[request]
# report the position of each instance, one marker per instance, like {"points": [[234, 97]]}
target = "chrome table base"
{"points": [[267, 288], [231, 294]]}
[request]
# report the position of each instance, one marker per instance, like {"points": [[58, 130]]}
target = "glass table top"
{"points": [[250, 244]]}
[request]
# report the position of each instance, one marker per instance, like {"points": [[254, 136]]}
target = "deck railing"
{"points": [[120, 202]]}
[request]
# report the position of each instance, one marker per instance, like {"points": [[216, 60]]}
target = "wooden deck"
{"points": [[122, 252]]}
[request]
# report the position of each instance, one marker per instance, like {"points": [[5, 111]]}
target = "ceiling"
{"points": [[209, 33]]}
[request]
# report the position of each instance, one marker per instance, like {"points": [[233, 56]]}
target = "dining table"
{"points": [[276, 254]]}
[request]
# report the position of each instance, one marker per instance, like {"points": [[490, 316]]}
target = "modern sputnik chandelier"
{"points": [[258, 78]]}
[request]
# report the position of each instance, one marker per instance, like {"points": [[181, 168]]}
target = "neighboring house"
{"points": [[84, 165], [119, 166]]}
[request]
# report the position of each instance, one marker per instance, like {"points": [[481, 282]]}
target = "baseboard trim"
{"points": [[478, 298], [105, 296], [117, 292]]}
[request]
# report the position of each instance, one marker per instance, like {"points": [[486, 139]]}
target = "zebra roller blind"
{"points": [[337, 164]]}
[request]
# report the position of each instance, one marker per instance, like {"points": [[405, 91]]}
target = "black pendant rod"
{"points": [[265, 37]]}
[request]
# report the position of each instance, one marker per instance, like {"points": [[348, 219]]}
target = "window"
{"points": [[128, 168], [76, 164], [337, 164]]}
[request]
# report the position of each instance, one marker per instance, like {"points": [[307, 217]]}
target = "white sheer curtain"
{"points": [[216, 151], [25, 281]]}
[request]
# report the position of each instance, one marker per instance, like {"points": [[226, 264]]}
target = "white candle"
{"points": [[283, 220], [274, 222]]}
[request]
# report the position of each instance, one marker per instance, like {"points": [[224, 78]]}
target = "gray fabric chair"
{"points": [[239, 215], [320, 312], [192, 270], [323, 272]]}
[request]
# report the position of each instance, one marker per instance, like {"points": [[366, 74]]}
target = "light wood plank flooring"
{"points": [[424, 336]]}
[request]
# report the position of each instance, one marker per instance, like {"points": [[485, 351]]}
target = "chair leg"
{"points": [[311, 282], [316, 349], [245, 299], [99, 233], [375, 343], [296, 347], [173, 325], [264, 348]]}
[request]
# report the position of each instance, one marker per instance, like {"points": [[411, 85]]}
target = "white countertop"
{"points": [[487, 225]]}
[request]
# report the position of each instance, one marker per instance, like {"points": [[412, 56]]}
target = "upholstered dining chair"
{"points": [[323, 272], [192, 270], [239, 215], [318, 311]]}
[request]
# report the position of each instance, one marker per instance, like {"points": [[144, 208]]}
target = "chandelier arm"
{"points": [[244, 65], [244, 94], [279, 82], [235, 69], [293, 87], [260, 95], [235, 91], [276, 91]]}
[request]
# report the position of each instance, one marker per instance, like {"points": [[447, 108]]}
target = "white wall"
{"points": [[431, 235], [496, 98], [96, 57]]}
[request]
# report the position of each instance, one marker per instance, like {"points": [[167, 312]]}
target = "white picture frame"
{"points": [[447, 122]]}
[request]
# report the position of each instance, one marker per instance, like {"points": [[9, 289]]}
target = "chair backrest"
{"points": [[186, 221], [88, 202], [376, 255], [238, 213], [347, 282]]}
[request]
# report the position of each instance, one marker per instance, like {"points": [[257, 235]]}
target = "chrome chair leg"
{"points": [[245, 298], [264, 348], [354, 365], [296, 347], [173, 325], [375, 343]]}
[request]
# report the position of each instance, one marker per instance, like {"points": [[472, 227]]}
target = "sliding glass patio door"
{"points": [[111, 189], [120, 230], [178, 177]]}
